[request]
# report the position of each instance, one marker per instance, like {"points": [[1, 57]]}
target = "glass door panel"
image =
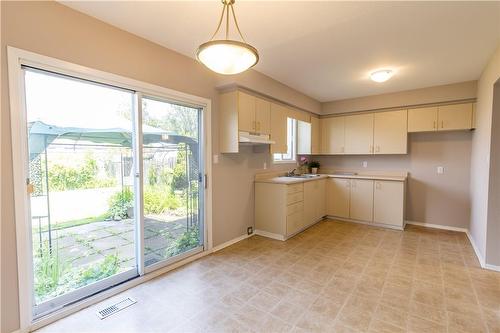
{"points": [[171, 177], [81, 182]]}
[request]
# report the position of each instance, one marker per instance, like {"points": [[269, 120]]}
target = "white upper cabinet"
{"points": [[262, 116], [455, 117], [422, 119], [332, 135], [390, 133], [246, 112], [315, 135], [441, 118], [359, 134], [303, 137], [279, 128]]}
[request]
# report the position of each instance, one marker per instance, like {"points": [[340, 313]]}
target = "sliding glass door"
{"points": [[114, 183], [171, 177]]}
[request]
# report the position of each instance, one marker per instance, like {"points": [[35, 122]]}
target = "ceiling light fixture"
{"points": [[226, 56], [381, 75]]}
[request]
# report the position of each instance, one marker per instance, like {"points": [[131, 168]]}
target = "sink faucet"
{"points": [[291, 173]]}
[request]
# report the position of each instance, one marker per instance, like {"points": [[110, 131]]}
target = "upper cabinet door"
{"points": [[246, 112], [278, 129], [390, 133], [422, 119], [303, 137], [262, 116], [455, 117], [359, 134], [332, 135], [315, 136]]}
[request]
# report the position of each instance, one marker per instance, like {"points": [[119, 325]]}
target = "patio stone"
{"points": [[124, 252], [109, 243], [88, 260]]}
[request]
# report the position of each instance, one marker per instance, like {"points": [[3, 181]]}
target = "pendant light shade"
{"points": [[226, 56]]}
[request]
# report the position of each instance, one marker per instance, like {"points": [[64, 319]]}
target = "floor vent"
{"points": [[106, 312]]}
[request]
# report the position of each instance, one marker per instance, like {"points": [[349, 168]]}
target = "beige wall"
{"points": [[493, 229], [480, 160], [57, 31], [431, 198], [438, 94]]}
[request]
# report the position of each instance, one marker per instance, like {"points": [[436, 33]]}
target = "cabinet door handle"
{"points": [[442, 123], [378, 185], [434, 124], [371, 149], [348, 183], [377, 149]]}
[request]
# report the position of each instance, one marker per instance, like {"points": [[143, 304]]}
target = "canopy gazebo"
{"points": [[42, 135]]}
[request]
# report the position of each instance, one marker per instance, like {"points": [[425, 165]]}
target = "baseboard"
{"points": [[269, 235], [437, 226], [230, 242], [370, 224], [476, 250], [492, 267]]}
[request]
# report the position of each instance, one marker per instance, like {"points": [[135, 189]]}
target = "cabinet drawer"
{"points": [[294, 208], [294, 197], [293, 223], [294, 188]]}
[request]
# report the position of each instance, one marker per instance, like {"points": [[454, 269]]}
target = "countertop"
{"points": [[291, 180]]}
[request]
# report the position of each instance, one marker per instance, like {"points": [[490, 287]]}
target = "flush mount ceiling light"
{"points": [[226, 56], [381, 75]]}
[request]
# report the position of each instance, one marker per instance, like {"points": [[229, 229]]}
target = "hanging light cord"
{"points": [[228, 5]]}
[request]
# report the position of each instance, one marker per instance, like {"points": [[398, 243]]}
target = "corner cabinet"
{"points": [[283, 210], [381, 202]]}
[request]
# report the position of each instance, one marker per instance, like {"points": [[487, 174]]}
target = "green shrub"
{"points": [[63, 178], [120, 202], [108, 267], [158, 200], [49, 270], [188, 240]]}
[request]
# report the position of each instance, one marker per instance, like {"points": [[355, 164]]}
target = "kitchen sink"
{"points": [[303, 176]]}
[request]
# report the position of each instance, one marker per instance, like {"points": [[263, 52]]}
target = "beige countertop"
{"points": [[292, 180]]}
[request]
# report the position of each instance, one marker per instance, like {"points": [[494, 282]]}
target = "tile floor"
{"points": [[334, 277]]}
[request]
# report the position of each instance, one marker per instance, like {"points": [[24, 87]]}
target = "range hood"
{"points": [[246, 138]]}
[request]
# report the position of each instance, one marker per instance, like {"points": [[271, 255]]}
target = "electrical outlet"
{"points": [[250, 230], [440, 170], [365, 164]]}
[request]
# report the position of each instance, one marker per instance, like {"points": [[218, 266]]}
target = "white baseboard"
{"points": [[476, 250], [269, 235], [230, 242], [437, 226], [371, 224], [492, 267]]}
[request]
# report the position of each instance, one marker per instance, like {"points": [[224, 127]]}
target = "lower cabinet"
{"points": [[388, 202], [337, 197], [282, 210], [374, 201], [361, 206]]}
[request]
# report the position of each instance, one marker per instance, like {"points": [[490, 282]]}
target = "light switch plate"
{"points": [[440, 170], [365, 164]]}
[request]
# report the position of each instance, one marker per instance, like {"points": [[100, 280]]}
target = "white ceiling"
{"points": [[327, 49]]}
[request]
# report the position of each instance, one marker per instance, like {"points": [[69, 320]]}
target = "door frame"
{"points": [[16, 58]]}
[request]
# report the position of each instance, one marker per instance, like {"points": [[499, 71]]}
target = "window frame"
{"points": [[279, 158]]}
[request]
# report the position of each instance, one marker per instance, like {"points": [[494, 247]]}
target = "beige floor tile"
{"points": [[334, 277]]}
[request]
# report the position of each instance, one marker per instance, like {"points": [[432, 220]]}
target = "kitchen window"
{"points": [[291, 154]]}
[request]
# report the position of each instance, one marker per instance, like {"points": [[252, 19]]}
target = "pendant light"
{"points": [[226, 56]]}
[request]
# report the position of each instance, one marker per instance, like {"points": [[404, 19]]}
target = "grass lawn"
{"points": [[73, 223]]}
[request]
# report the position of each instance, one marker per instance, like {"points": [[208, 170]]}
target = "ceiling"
{"points": [[327, 49]]}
